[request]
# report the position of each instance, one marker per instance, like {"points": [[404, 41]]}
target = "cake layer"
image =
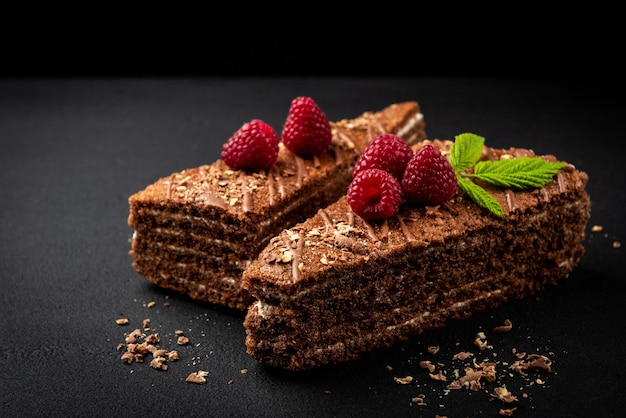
{"points": [[196, 230], [336, 286]]}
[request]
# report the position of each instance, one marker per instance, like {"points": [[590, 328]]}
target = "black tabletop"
{"points": [[73, 150]]}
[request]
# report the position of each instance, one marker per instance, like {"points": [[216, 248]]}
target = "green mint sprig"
{"points": [[517, 173]]}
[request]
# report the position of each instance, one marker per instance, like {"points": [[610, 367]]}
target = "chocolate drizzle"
{"points": [[511, 200], [271, 188], [273, 177], [337, 153], [374, 129], [404, 228], [371, 233], [300, 170], [274, 181], [168, 184], [561, 182], [326, 219], [246, 204], [296, 253], [384, 229], [212, 200], [349, 144]]}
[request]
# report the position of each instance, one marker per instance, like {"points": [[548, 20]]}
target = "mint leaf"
{"points": [[518, 173], [514, 173], [465, 151], [480, 196]]}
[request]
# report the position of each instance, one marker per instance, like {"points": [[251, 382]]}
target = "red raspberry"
{"points": [[254, 147], [374, 194], [429, 178], [306, 131], [387, 152]]}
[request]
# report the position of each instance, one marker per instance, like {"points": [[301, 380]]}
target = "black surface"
{"points": [[73, 150]]}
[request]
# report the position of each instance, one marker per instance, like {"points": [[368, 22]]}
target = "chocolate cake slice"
{"points": [[197, 230], [335, 286]]}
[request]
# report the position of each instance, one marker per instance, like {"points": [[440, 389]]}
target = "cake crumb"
{"points": [[433, 349], [617, 244], [151, 304], [463, 355], [504, 395], [427, 365], [198, 378], [158, 363], [403, 380], [138, 345], [481, 341], [597, 228], [121, 321], [438, 376], [506, 412], [419, 400], [508, 325]]}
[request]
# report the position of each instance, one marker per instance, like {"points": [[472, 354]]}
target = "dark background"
{"points": [[312, 40], [91, 113]]}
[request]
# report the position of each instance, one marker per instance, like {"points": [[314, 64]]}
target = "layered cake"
{"points": [[336, 286], [197, 230]]}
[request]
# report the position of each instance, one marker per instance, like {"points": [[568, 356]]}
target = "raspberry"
{"points": [[429, 179], [254, 147], [306, 131], [387, 152], [374, 194]]}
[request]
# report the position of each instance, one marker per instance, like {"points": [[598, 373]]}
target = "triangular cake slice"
{"points": [[195, 231], [335, 286]]}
